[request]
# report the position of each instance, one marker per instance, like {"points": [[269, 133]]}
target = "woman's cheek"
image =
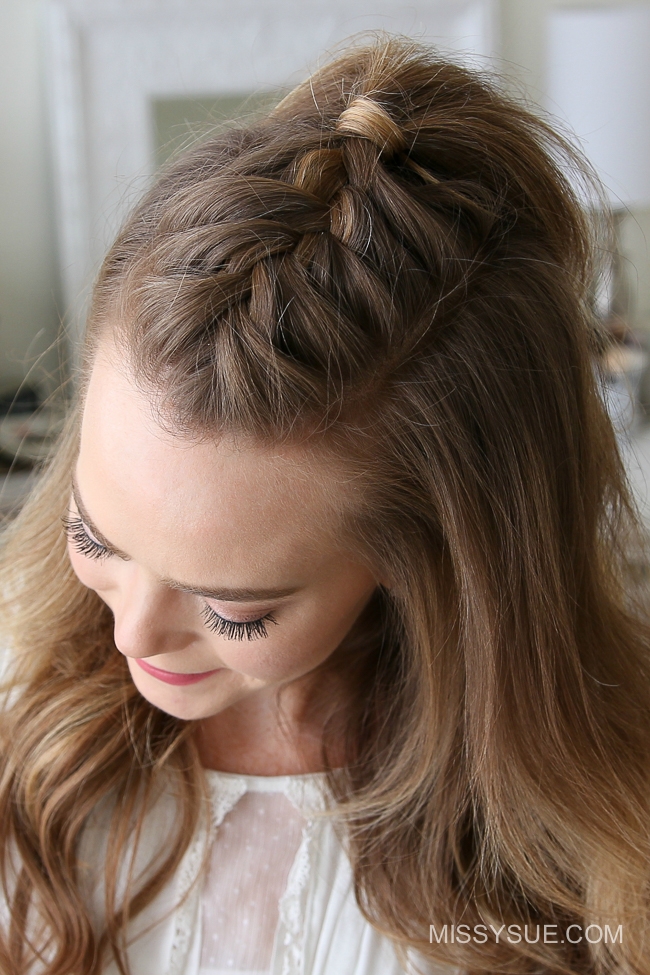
{"points": [[287, 653], [260, 659]]}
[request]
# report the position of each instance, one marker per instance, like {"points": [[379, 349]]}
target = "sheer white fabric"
{"points": [[302, 908], [251, 857]]}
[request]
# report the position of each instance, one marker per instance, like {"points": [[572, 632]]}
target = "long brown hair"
{"points": [[391, 266]]}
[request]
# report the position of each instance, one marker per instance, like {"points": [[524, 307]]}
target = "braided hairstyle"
{"points": [[291, 270], [392, 266]]}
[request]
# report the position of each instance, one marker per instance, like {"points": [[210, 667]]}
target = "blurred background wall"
{"points": [[39, 284], [30, 299]]}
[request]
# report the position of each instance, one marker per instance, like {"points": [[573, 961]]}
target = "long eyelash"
{"points": [[75, 530], [251, 630], [83, 543]]}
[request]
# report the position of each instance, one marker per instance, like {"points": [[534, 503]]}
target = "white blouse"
{"points": [[250, 884], [277, 897]]}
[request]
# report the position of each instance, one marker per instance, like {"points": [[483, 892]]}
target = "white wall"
{"points": [[28, 269], [523, 61]]}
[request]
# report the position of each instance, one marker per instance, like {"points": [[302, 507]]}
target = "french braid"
{"points": [[333, 250]]}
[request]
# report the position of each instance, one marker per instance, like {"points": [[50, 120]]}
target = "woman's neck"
{"points": [[270, 734]]}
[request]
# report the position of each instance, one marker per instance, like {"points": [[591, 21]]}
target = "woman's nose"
{"points": [[149, 617]]}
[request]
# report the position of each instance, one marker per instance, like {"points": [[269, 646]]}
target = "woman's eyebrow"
{"points": [[234, 595], [222, 595], [87, 520]]}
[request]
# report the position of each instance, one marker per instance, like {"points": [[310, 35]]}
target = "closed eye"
{"points": [[232, 630], [81, 539]]}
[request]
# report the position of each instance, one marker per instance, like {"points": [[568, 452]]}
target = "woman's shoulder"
{"points": [[146, 846]]}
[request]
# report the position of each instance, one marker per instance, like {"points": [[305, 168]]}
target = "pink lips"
{"points": [[169, 677]]}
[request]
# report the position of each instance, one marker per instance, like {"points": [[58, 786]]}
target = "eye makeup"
{"points": [[83, 542], [233, 630]]}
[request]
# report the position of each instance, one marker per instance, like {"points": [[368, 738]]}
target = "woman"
{"points": [[348, 648]]}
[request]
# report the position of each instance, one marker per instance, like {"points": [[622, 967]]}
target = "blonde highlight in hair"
{"points": [[367, 119], [391, 267]]}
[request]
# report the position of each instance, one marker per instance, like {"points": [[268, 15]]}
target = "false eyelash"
{"points": [[251, 630], [81, 540]]}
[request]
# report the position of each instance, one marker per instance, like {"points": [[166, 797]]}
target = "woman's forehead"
{"points": [[139, 480]]}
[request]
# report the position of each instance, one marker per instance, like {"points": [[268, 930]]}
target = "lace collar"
{"points": [[308, 792]]}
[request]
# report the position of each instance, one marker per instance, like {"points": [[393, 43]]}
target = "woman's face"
{"points": [[220, 563]]}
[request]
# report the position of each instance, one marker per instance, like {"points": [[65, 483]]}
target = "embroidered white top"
{"points": [[278, 896]]}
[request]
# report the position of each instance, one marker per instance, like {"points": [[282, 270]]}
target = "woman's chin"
{"points": [[192, 702]]}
